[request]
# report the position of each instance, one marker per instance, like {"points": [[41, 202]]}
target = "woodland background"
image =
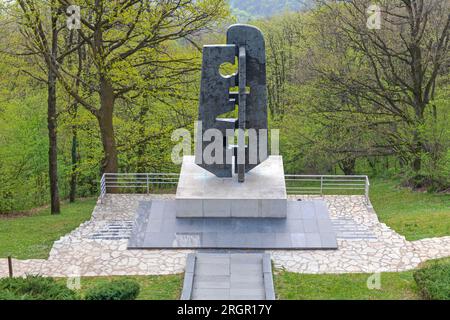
{"points": [[107, 97]]}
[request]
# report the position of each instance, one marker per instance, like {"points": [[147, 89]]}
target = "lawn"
{"points": [[167, 287], [351, 286], [416, 215], [32, 237], [348, 286]]}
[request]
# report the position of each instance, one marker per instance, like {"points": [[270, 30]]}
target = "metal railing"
{"points": [[327, 184], [295, 184], [137, 182]]}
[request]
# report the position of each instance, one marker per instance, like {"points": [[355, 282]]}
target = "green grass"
{"points": [[416, 215], [351, 286], [348, 286], [32, 237], [167, 287]]}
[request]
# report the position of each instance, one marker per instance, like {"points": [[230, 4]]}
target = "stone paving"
{"points": [[99, 246], [84, 253], [383, 251]]}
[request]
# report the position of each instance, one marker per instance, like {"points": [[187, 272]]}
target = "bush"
{"points": [[34, 288], [433, 281], [114, 290], [8, 295]]}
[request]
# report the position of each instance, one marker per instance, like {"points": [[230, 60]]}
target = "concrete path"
{"points": [[228, 276]]}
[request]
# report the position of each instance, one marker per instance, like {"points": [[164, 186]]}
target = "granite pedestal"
{"points": [[202, 194], [307, 226]]}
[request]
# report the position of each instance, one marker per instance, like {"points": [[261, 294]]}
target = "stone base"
{"points": [[202, 194], [307, 226]]}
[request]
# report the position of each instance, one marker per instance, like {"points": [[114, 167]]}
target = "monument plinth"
{"points": [[242, 181], [201, 193], [233, 196]]}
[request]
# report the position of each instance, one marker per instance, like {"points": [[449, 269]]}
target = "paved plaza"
{"points": [[98, 247]]}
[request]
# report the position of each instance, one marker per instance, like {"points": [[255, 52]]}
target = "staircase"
{"points": [[228, 276], [114, 230]]}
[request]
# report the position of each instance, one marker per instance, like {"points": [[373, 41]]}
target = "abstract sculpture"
{"points": [[216, 98]]}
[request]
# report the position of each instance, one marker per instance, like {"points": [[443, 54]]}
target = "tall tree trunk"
{"points": [[348, 166], [74, 152], [417, 149], [75, 158], [105, 120], [141, 148], [52, 123], [418, 144]]}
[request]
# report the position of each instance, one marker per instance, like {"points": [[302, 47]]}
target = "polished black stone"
{"points": [[245, 44], [307, 226]]}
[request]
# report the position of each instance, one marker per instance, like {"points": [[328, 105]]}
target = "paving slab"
{"points": [[157, 227]]}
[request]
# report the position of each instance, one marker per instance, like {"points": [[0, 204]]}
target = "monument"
{"points": [[232, 196], [238, 180], [246, 45]]}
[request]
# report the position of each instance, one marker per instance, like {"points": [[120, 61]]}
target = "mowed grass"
{"points": [[351, 286], [416, 215], [32, 237], [165, 287]]}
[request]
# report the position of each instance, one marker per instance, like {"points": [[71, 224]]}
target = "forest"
{"points": [[105, 95], [258, 9]]}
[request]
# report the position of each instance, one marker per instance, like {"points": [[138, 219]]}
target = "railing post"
{"points": [[148, 188], [321, 185], [102, 188], [366, 193], [10, 267]]}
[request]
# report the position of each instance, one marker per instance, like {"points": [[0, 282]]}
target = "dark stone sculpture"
{"points": [[247, 44]]}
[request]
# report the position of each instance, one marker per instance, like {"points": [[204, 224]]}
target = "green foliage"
{"points": [[330, 121], [115, 290], [151, 287], [161, 287], [254, 9], [34, 288], [435, 132], [162, 88], [324, 129], [23, 151], [433, 280]]}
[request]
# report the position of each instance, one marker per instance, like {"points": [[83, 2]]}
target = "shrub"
{"points": [[433, 280], [34, 288], [114, 290], [8, 295]]}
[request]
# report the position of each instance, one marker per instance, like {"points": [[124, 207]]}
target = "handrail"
{"points": [[321, 184], [295, 184]]}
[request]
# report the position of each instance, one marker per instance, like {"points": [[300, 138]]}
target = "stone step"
{"points": [[113, 230], [347, 228], [224, 276]]}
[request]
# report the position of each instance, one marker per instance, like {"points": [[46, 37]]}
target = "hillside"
{"points": [[246, 10]]}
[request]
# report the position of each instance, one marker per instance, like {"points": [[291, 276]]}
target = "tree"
{"points": [[402, 62], [129, 46], [284, 39], [41, 30]]}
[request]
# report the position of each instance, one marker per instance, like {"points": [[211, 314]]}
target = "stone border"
{"points": [[188, 282], [268, 277]]}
